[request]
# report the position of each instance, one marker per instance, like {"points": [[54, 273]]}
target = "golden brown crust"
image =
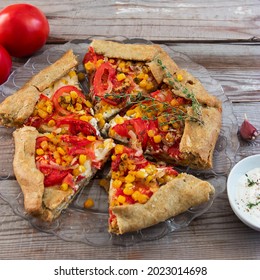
{"points": [[199, 140], [125, 51], [16, 108], [54, 72], [28, 176], [175, 197]]}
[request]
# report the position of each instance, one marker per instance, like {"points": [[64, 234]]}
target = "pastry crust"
{"points": [[175, 197], [16, 108], [27, 174], [46, 202], [199, 140]]}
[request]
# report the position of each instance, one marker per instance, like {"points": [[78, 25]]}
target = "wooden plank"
{"points": [[153, 20]]}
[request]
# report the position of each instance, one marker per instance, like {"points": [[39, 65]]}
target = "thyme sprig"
{"points": [[152, 108], [196, 106]]}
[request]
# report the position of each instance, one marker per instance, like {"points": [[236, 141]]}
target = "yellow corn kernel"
{"points": [[89, 66], [88, 104], [162, 119], [113, 157], [82, 159], [74, 94], [67, 158], [117, 183], [39, 152], [128, 189], [115, 175], [121, 199], [141, 174], [64, 186], [121, 64], [67, 99], [99, 62], [61, 151], [119, 149], [70, 108], [124, 156], [72, 73], [81, 76], [129, 178], [164, 127], [143, 198], [157, 138], [151, 133], [44, 145], [120, 77], [76, 172], [143, 84], [104, 183], [82, 169], [85, 118], [42, 114], [49, 109], [174, 103], [51, 123], [149, 86], [78, 107], [179, 77], [64, 81], [150, 169], [88, 203], [148, 179], [91, 138], [130, 112], [56, 154], [119, 120], [136, 195], [131, 167], [58, 160], [140, 76]]}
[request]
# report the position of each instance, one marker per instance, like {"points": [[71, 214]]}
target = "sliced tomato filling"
{"points": [[62, 158], [135, 179]]}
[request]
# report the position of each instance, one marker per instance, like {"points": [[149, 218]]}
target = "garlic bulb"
{"points": [[247, 130]]}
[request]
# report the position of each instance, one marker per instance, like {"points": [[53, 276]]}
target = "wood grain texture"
{"points": [[154, 20], [210, 33]]}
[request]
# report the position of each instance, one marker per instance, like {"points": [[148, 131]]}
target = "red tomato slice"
{"points": [[54, 176], [103, 81], [92, 56], [76, 126], [64, 91]]}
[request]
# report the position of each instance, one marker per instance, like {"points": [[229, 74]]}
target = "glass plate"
{"points": [[90, 226]]}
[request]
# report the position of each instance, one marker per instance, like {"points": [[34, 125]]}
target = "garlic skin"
{"points": [[247, 130]]}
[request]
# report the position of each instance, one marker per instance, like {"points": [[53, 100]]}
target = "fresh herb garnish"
{"points": [[250, 205], [196, 106], [250, 182]]}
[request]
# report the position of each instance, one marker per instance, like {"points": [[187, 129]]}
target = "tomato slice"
{"points": [[174, 151], [103, 79], [76, 126], [53, 176], [65, 90], [92, 56]]}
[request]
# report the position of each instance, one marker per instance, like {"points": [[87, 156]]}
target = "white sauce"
{"points": [[248, 193]]}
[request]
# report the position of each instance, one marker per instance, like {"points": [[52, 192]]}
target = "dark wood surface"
{"points": [[222, 36]]}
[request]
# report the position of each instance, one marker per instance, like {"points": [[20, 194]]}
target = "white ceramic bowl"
{"points": [[238, 171]]}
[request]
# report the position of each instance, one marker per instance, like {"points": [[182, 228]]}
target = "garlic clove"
{"points": [[247, 130]]}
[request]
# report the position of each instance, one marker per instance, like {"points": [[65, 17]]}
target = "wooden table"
{"points": [[223, 36]]}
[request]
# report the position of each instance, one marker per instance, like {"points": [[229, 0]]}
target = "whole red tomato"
{"points": [[5, 65], [24, 29]]}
